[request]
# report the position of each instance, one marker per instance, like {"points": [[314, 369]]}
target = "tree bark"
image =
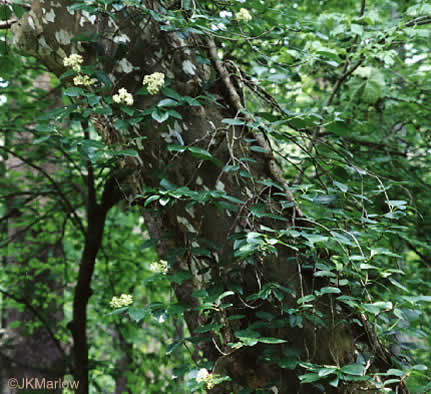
{"points": [[216, 223], [96, 217]]}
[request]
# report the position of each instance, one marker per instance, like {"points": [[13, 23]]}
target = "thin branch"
{"points": [[341, 79], [236, 103], [22, 5], [425, 259], [38, 315], [8, 24], [53, 182], [423, 20], [344, 75], [361, 12]]}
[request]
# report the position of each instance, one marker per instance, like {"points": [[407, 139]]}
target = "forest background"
{"points": [[255, 174]]}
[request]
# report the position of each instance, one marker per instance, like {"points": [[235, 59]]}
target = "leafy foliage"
{"points": [[341, 93]]}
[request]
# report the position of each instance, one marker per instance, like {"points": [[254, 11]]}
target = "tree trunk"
{"points": [[203, 233]]}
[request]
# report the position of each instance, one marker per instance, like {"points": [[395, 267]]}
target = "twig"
{"points": [[36, 313], [66, 202], [8, 24], [22, 5], [237, 105]]}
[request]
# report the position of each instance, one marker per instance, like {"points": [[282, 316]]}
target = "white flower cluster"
{"points": [[154, 82], [160, 267], [243, 15], [74, 61], [204, 376], [84, 80], [123, 300], [123, 96]]}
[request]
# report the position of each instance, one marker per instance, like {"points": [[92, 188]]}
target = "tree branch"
{"points": [[36, 313], [53, 182], [7, 24]]}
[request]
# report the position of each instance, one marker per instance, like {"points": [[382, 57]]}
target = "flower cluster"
{"points": [[84, 80], [161, 266], [154, 82], [204, 376], [74, 61], [123, 300], [243, 15], [123, 96]]}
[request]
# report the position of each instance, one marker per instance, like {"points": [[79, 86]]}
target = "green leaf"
{"points": [[137, 314], [173, 346], [18, 10], [395, 372], [149, 243], [127, 152], [151, 199], [374, 82], [324, 199], [229, 168], [357, 29], [121, 124], [334, 382], [186, 4], [127, 110], [305, 299], [202, 154], [191, 101], [377, 307], [5, 12], [74, 91], [315, 238], [45, 127], [233, 122], [207, 328], [256, 148], [176, 148], [329, 290], [372, 92], [353, 369], [235, 317], [168, 103], [341, 186], [142, 92], [93, 99], [247, 334], [271, 340], [400, 204], [118, 311], [7, 63], [310, 377], [159, 116], [414, 300], [419, 9], [327, 371], [172, 93], [179, 277]]}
